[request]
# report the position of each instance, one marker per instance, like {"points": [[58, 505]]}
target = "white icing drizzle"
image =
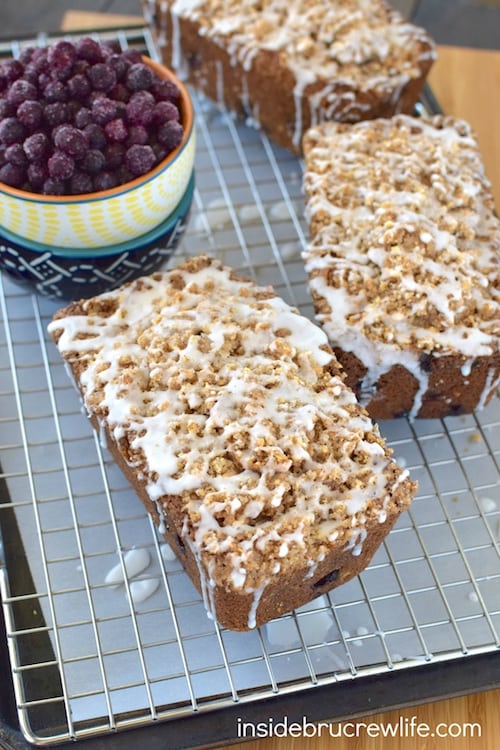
{"points": [[403, 260], [220, 393], [490, 385], [488, 505], [252, 613], [365, 47]]}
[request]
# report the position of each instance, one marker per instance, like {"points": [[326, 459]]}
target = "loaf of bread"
{"points": [[403, 262], [226, 411], [284, 65]]}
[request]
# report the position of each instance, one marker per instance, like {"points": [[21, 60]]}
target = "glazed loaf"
{"points": [[226, 411], [287, 64], [403, 262]]}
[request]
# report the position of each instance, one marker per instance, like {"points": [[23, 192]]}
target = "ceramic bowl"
{"points": [[121, 214], [72, 273]]}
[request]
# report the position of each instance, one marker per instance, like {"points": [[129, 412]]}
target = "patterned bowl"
{"points": [[70, 273], [111, 216]]}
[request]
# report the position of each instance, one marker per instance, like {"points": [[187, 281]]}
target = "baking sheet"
{"points": [[89, 656]]}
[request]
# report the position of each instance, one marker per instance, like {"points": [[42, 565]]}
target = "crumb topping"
{"points": [[220, 393], [405, 242]]}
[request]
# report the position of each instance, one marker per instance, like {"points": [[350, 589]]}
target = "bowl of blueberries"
{"points": [[97, 150]]}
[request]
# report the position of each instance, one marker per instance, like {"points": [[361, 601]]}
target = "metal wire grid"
{"points": [[112, 660]]}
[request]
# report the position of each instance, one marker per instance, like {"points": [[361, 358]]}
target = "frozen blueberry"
{"points": [[61, 165], [80, 67], [6, 109], [55, 114], [160, 152], [31, 75], [36, 146], [95, 135], [82, 117], [102, 77], [80, 183], [123, 175], [30, 114], [105, 181], [132, 55], [36, 175], [51, 186], [93, 161], [11, 131], [140, 108], [119, 93], [79, 87], [166, 90], [61, 57], [103, 110], [140, 77], [90, 50], [71, 140], [116, 130], [170, 134], [12, 70], [40, 59], [15, 155], [140, 159], [119, 64], [26, 55], [137, 134], [55, 91], [21, 91], [114, 154], [12, 174], [165, 111]]}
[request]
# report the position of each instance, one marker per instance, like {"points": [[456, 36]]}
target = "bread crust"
{"points": [[403, 262], [227, 412]]}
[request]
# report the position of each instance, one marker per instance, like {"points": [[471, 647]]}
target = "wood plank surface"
{"points": [[83, 20], [466, 82]]}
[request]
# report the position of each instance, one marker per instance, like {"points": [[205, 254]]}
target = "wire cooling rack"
{"points": [[90, 655]]}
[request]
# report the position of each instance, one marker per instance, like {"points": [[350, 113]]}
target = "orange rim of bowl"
{"points": [[187, 119]]}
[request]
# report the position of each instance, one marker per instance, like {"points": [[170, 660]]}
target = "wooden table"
{"points": [[466, 83]]}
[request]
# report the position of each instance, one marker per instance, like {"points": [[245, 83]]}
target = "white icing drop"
{"points": [[290, 250], [488, 505], [216, 216], [249, 214], [143, 589], [135, 561], [167, 553], [279, 211]]}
